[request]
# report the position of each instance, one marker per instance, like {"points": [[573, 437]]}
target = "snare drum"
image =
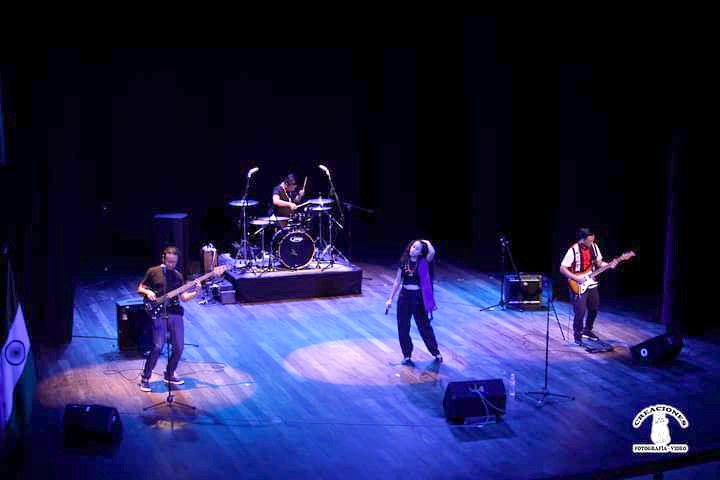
{"points": [[293, 247], [299, 219]]}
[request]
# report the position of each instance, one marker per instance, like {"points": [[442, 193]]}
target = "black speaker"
{"points": [[172, 229], [474, 398], [134, 327], [524, 293], [96, 422], [662, 348]]}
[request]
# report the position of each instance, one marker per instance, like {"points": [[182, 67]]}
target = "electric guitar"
{"points": [[580, 288], [154, 308]]}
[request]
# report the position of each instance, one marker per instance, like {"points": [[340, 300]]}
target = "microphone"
{"points": [[252, 171], [324, 169], [386, 310]]}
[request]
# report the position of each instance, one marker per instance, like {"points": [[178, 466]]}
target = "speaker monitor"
{"points": [[134, 328], [172, 229], [525, 292], [96, 422], [662, 348], [474, 398]]}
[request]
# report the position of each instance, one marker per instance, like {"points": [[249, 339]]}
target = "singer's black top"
{"points": [[410, 273], [285, 196], [155, 281]]}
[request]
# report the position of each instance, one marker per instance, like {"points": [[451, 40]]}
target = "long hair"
{"points": [[405, 257]]}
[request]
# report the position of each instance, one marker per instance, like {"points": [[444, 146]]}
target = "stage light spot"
{"points": [[371, 362]]}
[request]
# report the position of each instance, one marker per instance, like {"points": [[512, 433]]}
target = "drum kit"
{"points": [[295, 241]]}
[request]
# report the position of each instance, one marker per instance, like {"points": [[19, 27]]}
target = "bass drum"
{"points": [[293, 247]]}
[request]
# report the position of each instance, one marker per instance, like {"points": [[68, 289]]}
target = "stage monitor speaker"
{"points": [[96, 422], [523, 293], [660, 349], [172, 229], [474, 398], [134, 327]]}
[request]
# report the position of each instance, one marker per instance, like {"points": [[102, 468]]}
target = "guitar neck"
{"points": [[606, 267], [185, 288]]}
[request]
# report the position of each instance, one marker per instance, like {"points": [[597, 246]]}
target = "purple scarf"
{"points": [[426, 286]]}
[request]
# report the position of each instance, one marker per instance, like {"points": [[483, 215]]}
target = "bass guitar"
{"points": [[154, 308]]}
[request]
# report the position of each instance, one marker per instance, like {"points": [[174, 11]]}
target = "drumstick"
{"points": [[304, 184]]}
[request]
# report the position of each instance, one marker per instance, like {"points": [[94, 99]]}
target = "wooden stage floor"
{"points": [[314, 389]]}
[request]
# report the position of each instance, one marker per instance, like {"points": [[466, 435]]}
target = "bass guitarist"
{"points": [[158, 281]]}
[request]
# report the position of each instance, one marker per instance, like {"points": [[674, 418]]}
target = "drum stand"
{"points": [[244, 244], [330, 247], [320, 244]]}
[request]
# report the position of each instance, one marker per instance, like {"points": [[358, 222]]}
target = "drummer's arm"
{"points": [[281, 203]]}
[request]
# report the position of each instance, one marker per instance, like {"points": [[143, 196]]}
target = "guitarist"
{"points": [[159, 280], [584, 256]]}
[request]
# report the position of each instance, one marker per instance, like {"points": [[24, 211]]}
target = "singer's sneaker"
{"points": [[407, 361], [145, 384], [438, 358], [173, 379]]}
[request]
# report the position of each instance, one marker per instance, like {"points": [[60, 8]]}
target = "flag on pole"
{"points": [[17, 369], [3, 159]]}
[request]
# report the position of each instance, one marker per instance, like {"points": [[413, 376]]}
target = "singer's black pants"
{"points": [[177, 334], [411, 304], [587, 303]]}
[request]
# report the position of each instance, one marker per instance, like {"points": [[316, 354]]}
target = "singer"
{"points": [[284, 197], [159, 280], [415, 275]]}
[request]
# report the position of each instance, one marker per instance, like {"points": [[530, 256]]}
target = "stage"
{"points": [[321, 280], [314, 389]]}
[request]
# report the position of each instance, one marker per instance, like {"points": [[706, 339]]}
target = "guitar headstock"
{"points": [[626, 256], [219, 270]]}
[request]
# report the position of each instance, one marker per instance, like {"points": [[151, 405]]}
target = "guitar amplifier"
{"points": [[134, 327], [223, 291], [523, 293]]}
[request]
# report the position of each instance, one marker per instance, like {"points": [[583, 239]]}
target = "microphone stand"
{"points": [[545, 393], [244, 210], [331, 245], [505, 247]]}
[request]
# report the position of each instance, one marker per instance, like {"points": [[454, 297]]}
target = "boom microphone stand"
{"points": [[504, 248], [331, 246]]}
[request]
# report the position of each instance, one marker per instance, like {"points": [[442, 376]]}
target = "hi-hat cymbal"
{"points": [[320, 209], [321, 201], [273, 219], [243, 203]]}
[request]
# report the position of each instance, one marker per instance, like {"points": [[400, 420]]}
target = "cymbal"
{"points": [[320, 209], [259, 222], [243, 203], [273, 219], [321, 201]]}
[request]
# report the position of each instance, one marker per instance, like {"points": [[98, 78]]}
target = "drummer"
{"points": [[285, 199]]}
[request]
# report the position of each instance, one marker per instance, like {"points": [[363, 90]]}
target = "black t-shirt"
{"points": [[286, 196], [410, 273], [155, 281]]}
